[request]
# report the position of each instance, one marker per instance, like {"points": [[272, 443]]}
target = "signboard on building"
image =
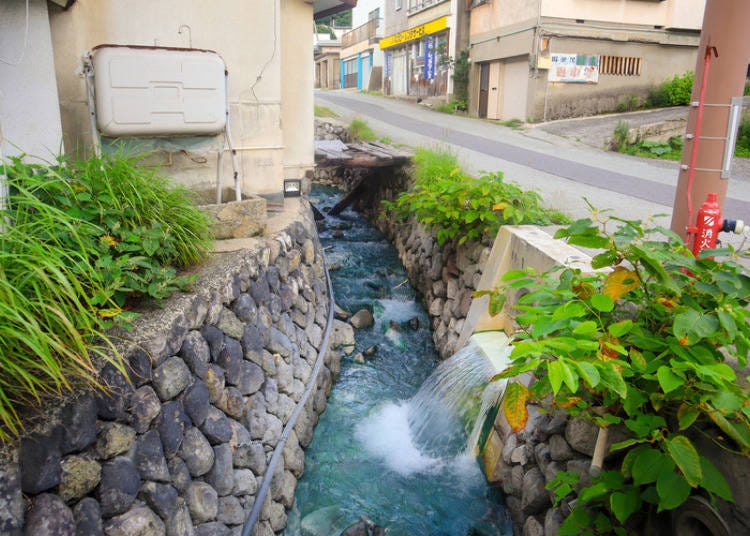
{"points": [[429, 57], [577, 68], [387, 66], [412, 34]]}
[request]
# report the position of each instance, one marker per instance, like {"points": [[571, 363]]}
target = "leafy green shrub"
{"points": [[742, 147], [79, 240], [462, 207], [675, 92], [359, 130], [644, 348]]}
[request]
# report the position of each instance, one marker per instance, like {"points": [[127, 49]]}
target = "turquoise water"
{"points": [[362, 460]]}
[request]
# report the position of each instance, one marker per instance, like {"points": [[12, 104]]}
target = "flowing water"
{"points": [[383, 448]]}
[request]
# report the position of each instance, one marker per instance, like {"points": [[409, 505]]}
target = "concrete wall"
{"points": [[182, 448], [492, 15], [395, 19], [687, 14], [274, 142], [29, 110], [659, 63], [297, 89]]}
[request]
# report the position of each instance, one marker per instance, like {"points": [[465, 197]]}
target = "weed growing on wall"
{"points": [[643, 348], [80, 241], [460, 207], [359, 130], [667, 150]]}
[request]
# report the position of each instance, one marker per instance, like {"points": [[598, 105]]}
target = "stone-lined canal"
{"points": [[362, 460]]}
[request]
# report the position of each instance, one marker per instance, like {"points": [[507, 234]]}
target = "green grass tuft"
{"points": [[359, 130], [323, 111], [80, 241]]}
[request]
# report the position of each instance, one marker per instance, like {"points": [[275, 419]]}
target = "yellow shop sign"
{"points": [[414, 33]]}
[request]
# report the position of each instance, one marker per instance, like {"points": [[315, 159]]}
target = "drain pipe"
{"points": [[261, 496]]}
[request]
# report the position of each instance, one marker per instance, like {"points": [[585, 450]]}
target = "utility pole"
{"points": [[723, 56]]}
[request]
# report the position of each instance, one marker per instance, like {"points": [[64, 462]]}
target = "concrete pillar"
{"points": [[725, 28]]}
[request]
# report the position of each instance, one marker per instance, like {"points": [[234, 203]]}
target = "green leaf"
{"points": [[592, 492], [608, 258], [647, 465], [588, 372], [612, 378], [727, 322], [556, 375], [497, 302], [668, 380], [672, 488], [687, 459], [726, 401], [713, 481], [513, 274], [560, 372], [620, 328], [632, 404], [588, 328], [571, 309], [602, 302], [623, 504], [625, 444], [686, 415], [694, 325], [589, 241], [574, 525], [637, 361], [719, 371]]}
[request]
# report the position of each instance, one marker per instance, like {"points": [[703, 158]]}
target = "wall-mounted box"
{"points": [[153, 91]]}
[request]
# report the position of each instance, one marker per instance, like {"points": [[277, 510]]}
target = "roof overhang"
{"points": [[65, 4], [323, 8]]}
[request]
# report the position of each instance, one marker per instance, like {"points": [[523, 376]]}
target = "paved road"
{"points": [[563, 170]]}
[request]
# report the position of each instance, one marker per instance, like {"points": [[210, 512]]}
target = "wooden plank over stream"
{"points": [[334, 153]]}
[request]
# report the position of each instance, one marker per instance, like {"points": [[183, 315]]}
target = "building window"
{"points": [[620, 66], [397, 5], [374, 15]]}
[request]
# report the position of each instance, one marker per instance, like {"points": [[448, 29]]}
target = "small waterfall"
{"points": [[442, 422], [446, 414]]}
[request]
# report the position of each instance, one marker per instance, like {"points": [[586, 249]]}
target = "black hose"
{"points": [[277, 452]]}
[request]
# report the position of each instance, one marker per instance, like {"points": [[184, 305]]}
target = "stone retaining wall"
{"points": [[181, 448]]}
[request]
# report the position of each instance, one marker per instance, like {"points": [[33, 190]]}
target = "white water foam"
{"points": [[385, 435], [395, 310]]}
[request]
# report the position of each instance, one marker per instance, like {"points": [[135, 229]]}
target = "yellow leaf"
{"points": [[108, 239], [499, 206], [620, 282], [109, 313], [514, 405]]}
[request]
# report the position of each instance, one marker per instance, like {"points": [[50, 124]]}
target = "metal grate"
{"points": [[620, 65]]}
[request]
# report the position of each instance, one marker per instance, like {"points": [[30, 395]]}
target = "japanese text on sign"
{"points": [[580, 68]]}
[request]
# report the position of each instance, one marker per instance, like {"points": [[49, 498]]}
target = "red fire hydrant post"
{"points": [[708, 225]]}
